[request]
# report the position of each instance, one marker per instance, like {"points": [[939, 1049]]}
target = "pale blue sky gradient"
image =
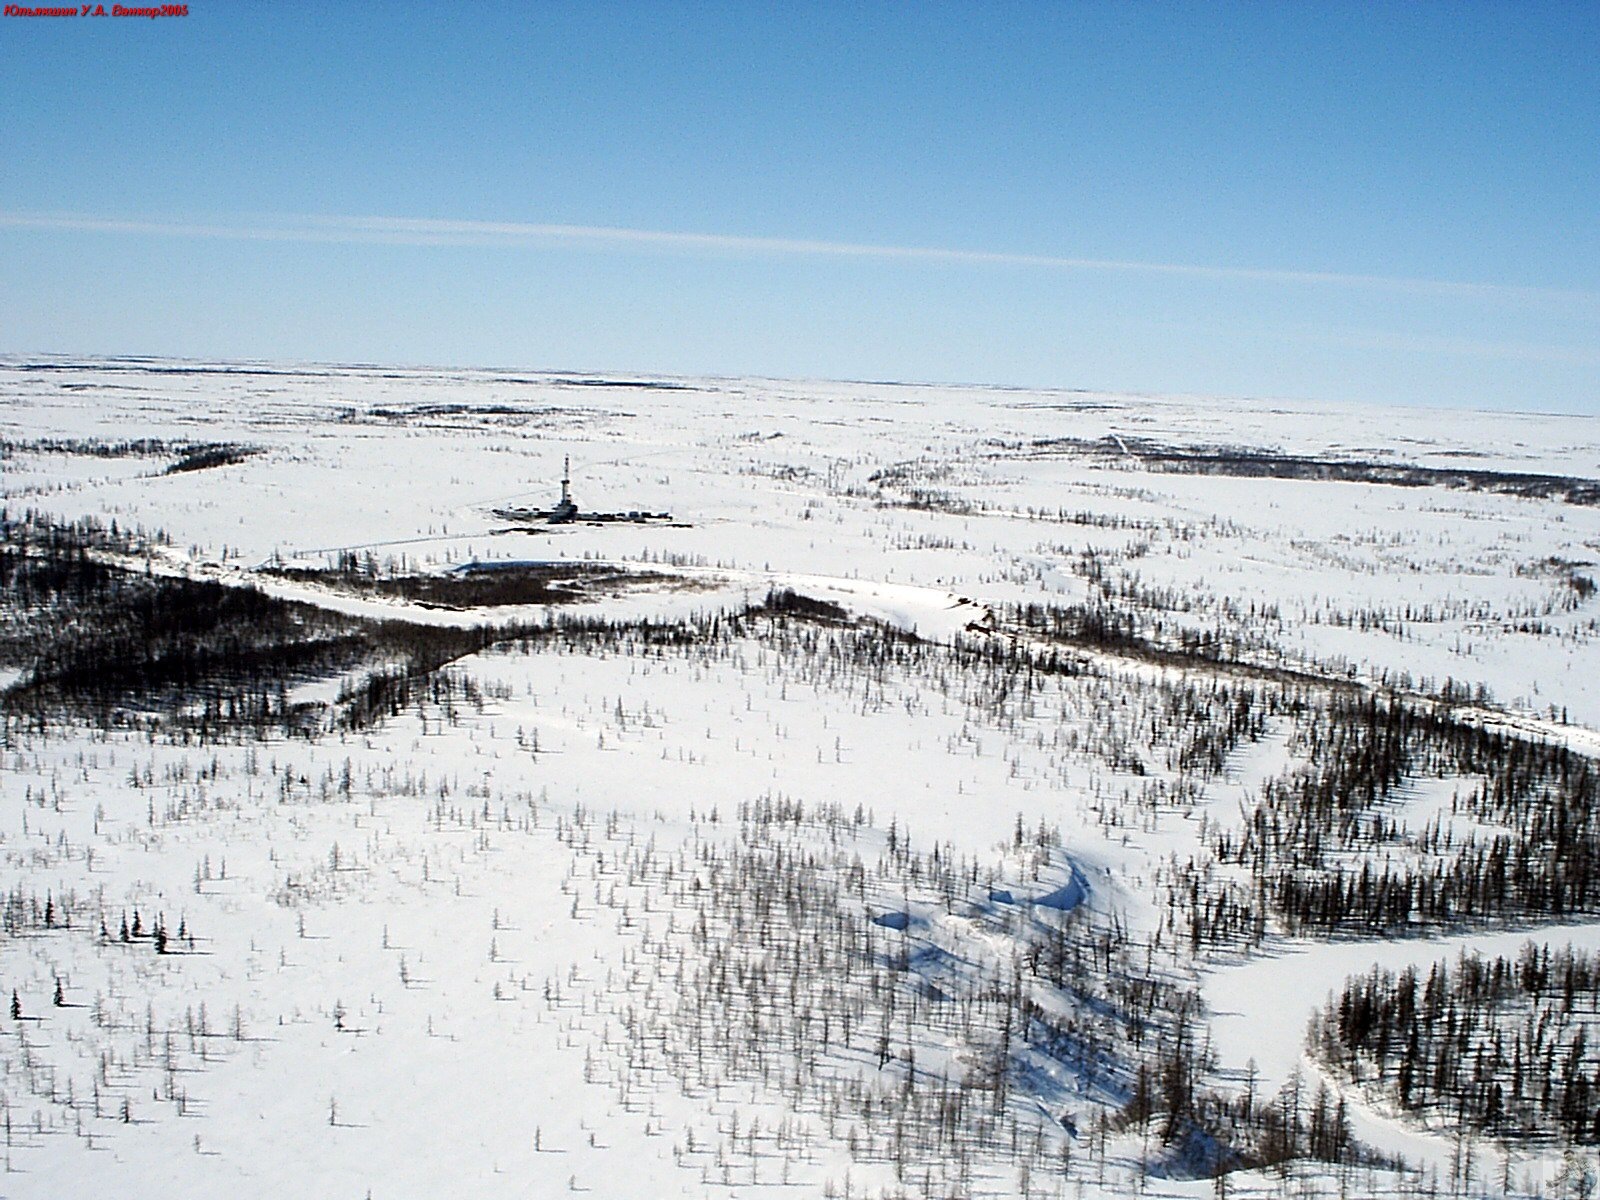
{"points": [[1382, 203]]}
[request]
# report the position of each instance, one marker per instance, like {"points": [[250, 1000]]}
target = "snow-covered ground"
{"points": [[418, 964]]}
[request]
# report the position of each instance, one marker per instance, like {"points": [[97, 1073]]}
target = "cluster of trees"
{"points": [[25, 912], [186, 455], [1187, 725], [44, 564], [1326, 848], [1251, 462], [112, 646], [788, 602], [1500, 1046], [779, 962], [92, 447], [1129, 615], [916, 1005], [1125, 619], [204, 456], [387, 692], [157, 935], [1316, 842], [906, 485], [166, 644]]}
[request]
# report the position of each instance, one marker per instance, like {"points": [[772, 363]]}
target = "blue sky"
{"points": [[1379, 203]]}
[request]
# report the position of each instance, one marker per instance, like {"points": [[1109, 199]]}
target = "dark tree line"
{"points": [[1251, 462], [1327, 851], [1497, 1045], [115, 646], [43, 563], [208, 455]]}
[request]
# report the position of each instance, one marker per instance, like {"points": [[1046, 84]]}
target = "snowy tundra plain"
{"points": [[964, 792]]}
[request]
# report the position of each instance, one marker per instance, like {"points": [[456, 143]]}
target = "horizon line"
{"points": [[18, 360]]}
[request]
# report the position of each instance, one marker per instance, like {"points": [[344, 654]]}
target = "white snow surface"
{"points": [[378, 916]]}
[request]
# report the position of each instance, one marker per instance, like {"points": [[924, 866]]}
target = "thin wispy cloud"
{"points": [[417, 231]]}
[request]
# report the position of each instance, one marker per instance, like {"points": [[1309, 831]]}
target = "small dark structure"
{"points": [[566, 510]]}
